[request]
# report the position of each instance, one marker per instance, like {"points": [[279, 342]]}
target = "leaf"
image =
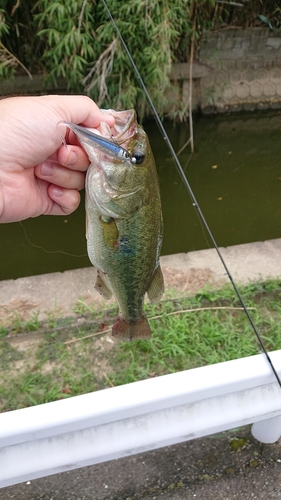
{"points": [[266, 21]]}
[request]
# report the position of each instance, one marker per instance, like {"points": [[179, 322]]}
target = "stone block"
{"points": [[259, 46], [242, 90], [235, 77], [229, 44], [208, 110], [245, 44], [222, 108], [236, 107], [262, 105], [208, 46], [249, 106], [229, 64], [278, 89], [180, 71], [229, 92], [238, 53], [268, 63], [269, 89], [237, 33], [259, 33], [220, 43], [238, 43], [274, 43], [242, 64], [262, 75], [275, 75], [254, 63], [276, 104], [221, 76], [256, 90], [248, 76]]}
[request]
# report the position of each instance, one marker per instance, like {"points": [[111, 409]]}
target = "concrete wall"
{"points": [[244, 70], [237, 69]]}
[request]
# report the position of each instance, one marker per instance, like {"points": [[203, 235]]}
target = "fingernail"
{"points": [[57, 191], [72, 158], [46, 169]]}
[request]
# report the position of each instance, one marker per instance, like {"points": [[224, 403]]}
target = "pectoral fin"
{"points": [[156, 288], [102, 288]]}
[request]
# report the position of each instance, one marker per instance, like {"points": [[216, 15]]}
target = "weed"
{"points": [[187, 332], [3, 331], [81, 307]]}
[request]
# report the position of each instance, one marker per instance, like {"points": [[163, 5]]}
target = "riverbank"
{"points": [[58, 293]]}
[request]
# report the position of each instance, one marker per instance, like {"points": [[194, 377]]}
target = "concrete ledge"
{"points": [[181, 71], [185, 272]]}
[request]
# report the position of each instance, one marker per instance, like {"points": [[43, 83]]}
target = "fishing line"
{"points": [[189, 189], [203, 229], [47, 251]]}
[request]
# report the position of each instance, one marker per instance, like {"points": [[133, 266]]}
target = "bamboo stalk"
{"points": [[191, 86]]}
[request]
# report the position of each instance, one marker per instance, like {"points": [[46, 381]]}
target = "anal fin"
{"points": [[156, 287], [102, 288]]}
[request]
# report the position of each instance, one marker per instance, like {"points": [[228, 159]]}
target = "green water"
{"points": [[240, 198]]}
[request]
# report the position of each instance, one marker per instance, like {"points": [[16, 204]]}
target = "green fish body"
{"points": [[124, 224]]}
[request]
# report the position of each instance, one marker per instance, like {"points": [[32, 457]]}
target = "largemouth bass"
{"points": [[124, 223]]}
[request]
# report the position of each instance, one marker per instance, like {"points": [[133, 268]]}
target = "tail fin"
{"points": [[125, 330]]}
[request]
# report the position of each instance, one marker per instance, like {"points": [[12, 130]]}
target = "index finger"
{"points": [[82, 110]]}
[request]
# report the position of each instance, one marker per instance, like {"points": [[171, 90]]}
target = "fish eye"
{"points": [[138, 157]]}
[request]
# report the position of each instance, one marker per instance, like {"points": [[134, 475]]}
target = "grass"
{"points": [[187, 332]]}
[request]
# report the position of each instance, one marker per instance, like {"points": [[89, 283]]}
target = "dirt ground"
{"points": [[184, 283]]}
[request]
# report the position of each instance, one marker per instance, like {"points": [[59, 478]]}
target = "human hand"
{"points": [[39, 175]]}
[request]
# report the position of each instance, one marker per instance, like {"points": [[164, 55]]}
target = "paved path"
{"points": [[203, 469]]}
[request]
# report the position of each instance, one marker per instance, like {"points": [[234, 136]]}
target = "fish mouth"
{"points": [[110, 191], [124, 128]]}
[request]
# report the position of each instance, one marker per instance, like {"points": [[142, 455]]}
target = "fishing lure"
{"points": [[108, 147]]}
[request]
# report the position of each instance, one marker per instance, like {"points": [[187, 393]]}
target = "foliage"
{"points": [[18, 47], [76, 41], [82, 46], [252, 13]]}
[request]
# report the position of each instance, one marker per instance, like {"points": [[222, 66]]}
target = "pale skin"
{"points": [[38, 174]]}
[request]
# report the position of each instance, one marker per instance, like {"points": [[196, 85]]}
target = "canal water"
{"points": [[235, 174]]}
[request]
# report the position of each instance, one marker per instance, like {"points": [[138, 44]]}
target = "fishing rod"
{"points": [[190, 191]]}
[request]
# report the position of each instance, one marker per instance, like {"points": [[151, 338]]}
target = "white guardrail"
{"points": [[121, 421]]}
